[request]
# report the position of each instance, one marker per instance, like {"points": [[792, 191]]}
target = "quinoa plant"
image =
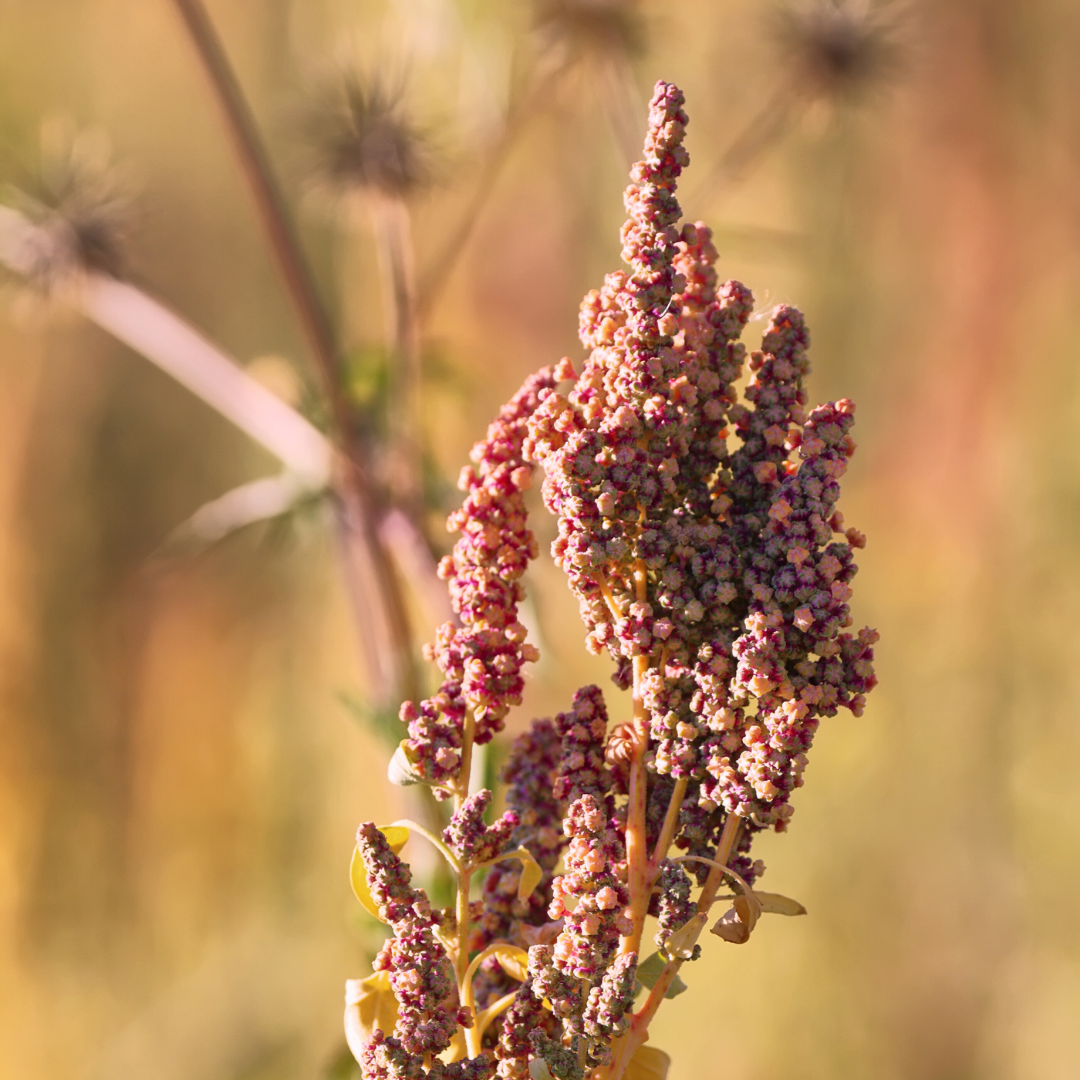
{"points": [[717, 577]]}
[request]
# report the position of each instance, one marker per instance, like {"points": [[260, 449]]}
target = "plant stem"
{"points": [[639, 1025], [393, 242], [724, 848], [265, 191], [763, 129], [464, 879], [638, 867], [671, 822]]}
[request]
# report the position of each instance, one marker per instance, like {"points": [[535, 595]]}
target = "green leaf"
{"points": [[649, 971], [396, 837]]}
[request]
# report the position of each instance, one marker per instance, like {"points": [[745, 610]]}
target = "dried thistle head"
{"points": [[582, 29], [840, 48], [361, 138], [72, 212]]}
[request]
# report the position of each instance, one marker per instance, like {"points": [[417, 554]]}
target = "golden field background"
{"points": [[181, 773]]}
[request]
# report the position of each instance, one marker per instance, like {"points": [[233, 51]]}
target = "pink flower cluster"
{"points": [[420, 971], [711, 563], [481, 660], [716, 574]]}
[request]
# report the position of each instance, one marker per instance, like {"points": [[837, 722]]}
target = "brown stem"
{"points": [[639, 875], [359, 504], [266, 194], [639, 1025]]}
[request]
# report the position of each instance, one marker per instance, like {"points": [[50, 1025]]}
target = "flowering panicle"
{"points": [[525, 1015], [482, 659], [582, 770], [699, 533], [420, 971], [470, 839], [529, 776]]}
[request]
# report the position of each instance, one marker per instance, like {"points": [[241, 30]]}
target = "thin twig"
{"points": [[266, 194], [359, 505], [436, 276], [671, 821], [761, 132], [393, 242]]}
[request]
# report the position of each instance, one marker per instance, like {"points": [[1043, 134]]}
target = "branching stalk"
{"points": [[638, 866], [639, 1025]]}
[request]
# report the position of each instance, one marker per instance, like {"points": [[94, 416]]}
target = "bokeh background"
{"points": [[187, 741]]}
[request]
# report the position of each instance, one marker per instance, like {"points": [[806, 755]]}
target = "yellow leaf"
{"points": [[530, 872], [514, 961], [396, 836], [648, 1063], [749, 908], [456, 1050], [369, 1004], [402, 770], [680, 944], [775, 904]]}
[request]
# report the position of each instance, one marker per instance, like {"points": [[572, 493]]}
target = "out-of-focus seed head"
{"points": [[840, 48], [361, 138], [75, 213], [578, 30]]}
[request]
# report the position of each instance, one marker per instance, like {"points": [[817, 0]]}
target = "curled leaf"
{"points": [[483, 1019], [775, 904], [731, 928], [649, 971], [369, 1004], [531, 872], [457, 1050], [514, 961], [396, 836], [402, 769], [737, 923], [541, 935], [648, 1063], [538, 1070], [680, 944]]}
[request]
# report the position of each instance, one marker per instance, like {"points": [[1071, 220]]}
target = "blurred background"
{"points": [[191, 725]]}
